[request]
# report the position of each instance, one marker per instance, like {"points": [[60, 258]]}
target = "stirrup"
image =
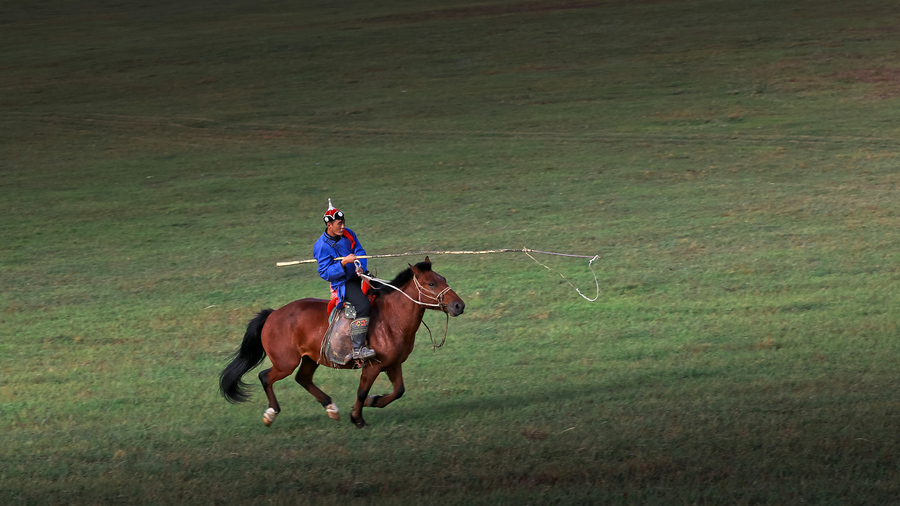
{"points": [[362, 353]]}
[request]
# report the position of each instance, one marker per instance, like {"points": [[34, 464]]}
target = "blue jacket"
{"points": [[325, 251]]}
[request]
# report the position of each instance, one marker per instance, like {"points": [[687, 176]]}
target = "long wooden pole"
{"points": [[505, 250]]}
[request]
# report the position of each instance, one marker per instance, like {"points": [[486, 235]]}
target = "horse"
{"points": [[292, 336]]}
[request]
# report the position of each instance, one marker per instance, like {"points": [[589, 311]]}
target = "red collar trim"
{"points": [[350, 238]]}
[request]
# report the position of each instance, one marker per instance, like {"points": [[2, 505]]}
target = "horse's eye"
{"points": [[430, 284]]}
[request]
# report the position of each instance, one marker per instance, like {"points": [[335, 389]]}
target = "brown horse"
{"points": [[292, 336]]}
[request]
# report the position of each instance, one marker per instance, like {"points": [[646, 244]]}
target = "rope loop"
{"points": [[590, 266]]}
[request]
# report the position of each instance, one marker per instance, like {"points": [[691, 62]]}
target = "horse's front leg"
{"points": [[395, 374], [366, 380]]}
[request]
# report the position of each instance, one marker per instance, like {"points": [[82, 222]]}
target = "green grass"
{"points": [[734, 163]]}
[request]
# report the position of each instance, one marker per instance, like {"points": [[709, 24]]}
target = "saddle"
{"points": [[336, 345]]}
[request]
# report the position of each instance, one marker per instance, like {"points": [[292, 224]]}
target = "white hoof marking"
{"points": [[332, 411], [269, 416]]}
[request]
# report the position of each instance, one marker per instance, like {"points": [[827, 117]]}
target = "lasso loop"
{"points": [[590, 266]]}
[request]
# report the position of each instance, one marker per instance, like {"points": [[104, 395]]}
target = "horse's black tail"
{"points": [[248, 356]]}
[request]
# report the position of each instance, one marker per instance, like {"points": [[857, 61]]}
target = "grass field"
{"points": [[734, 163]]}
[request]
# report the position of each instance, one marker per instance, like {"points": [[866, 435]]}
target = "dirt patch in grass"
{"points": [[886, 79], [872, 75], [818, 73]]}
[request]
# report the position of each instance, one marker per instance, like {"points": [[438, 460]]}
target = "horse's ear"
{"points": [[413, 268], [427, 259]]}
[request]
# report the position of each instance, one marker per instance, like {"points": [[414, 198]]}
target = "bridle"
{"points": [[438, 299]]}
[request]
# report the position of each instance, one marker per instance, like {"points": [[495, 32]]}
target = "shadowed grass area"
{"points": [[734, 164]]}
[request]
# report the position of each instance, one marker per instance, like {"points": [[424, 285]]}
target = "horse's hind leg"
{"points": [[305, 378], [268, 378], [395, 374]]}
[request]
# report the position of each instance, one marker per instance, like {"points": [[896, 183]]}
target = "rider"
{"points": [[337, 242]]}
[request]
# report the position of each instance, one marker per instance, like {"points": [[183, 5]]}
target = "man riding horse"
{"points": [[340, 242]]}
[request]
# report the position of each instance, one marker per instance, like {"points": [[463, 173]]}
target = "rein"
{"points": [[439, 298], [434, 344]]}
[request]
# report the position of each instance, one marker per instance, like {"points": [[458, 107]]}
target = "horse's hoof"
{"points": [[269, 416], [332, 411], [359, 422]]}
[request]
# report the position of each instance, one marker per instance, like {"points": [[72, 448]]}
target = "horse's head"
{"points": [[433, 289]]}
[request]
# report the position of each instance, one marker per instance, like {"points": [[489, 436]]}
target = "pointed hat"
{"points": [[332, 213]]}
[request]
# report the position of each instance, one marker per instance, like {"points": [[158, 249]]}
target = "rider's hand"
{"points": [[349, 259]]}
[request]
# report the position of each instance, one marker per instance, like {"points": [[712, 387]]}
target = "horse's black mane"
{"points": [[399, 280]]}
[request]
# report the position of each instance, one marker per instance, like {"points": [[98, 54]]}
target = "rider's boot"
{"points": [[358, 329]]}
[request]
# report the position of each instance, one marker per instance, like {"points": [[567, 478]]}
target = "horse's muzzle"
{"points": [[456, 307]]}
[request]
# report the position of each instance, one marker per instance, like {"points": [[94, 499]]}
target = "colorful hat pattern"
{"points": [[332, 213]]}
